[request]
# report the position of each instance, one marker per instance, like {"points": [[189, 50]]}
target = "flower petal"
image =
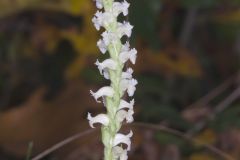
{"points": [[99, 4], [125, 47], [132, 87], [102, 19], [120, 8], [124, 104], [109, 37], [129, 85], [127, 74], [120, 153], [106, 64], [124, 28], [102, 46], [128, 115], [101, 118], [121, 138], [104, 91], [128, 55]]}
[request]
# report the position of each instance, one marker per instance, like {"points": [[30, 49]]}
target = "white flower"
{"points": [[125, 47], [104, 91], [128, 55], [127, 74], [97, 20], [99, 4], [102, 46], [129, 85], [128, 115], [125, 104], [120, 8], [106, 64], [101, 118], [109, 37], [102, 19], [121, 138], [124, 28], [120, 153]]}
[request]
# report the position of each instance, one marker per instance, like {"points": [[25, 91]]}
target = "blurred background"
{"points": [[187, 68]]}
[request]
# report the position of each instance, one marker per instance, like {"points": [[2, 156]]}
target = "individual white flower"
{"points": [[125, 47], [122, 115], [97, 20], [128, 55], [124, 104], [99, 4], [121, 138], [120, 153], [104, 91], [129, 85], [106, 64], [132, 86], [120, 8], [124, 28], [101, 118], [102, 46], [106, 74], [109, 37], [102, 19], [127, 74]]}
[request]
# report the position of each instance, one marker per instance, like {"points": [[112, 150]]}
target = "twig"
{"points": [[188, 26], [218, 109], [29, 151], [63, 143], [184, 136], [215, 92], [137, 124]]}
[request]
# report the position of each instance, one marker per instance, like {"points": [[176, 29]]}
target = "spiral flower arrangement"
{"points": [[118, 109]]}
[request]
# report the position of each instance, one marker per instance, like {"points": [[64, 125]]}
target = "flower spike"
{"points": [[118, 109]]}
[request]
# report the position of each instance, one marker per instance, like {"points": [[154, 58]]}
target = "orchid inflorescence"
{"points": [[118, 109]]}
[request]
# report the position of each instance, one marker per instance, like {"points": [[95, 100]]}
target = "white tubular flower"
{"points": [[109, 37], [106, 64], [120, 8], [101, 118], [104, 91], [121, 138], [124, 28], [125, 47], [128, 55], [122, 115], [102, 46], [120, 153], [99, 4], [127, 74], [102, 19], [129, 85], [97, 20], [125, 104]]}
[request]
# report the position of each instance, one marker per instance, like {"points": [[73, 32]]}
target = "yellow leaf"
{"points": [[206, 137], [200, 156]]}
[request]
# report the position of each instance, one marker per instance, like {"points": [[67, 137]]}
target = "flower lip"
{"points": [[101, 118], [120, 153], [121, 138], [129, 85], [120, 8], [127, 74], [99, 4], [128, 55], [104, 91], [124, 104], [106, 64]]}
